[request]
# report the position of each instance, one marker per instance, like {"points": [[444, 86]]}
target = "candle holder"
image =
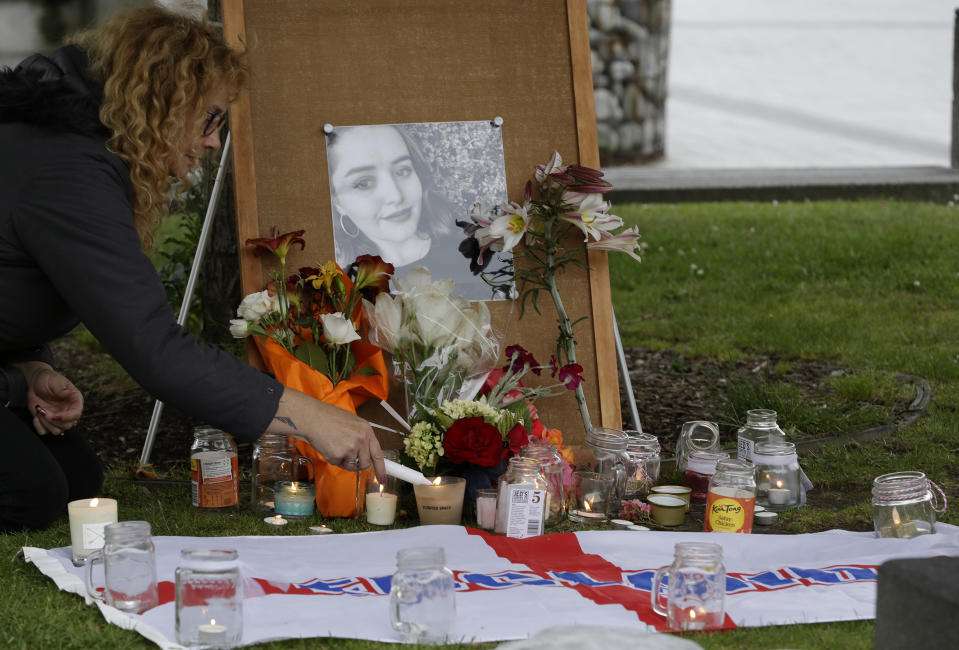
{"points": [[129, 568], [695, 588], [681, 491], [88, 518], [667, 509], [294, 499], [778, 484], [486, 508], [904, 505], [209, 598], [593, 491], [381, 500], [440, 502]]}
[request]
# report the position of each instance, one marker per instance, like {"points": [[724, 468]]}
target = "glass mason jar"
{"points": [[604, 452], [209, 598], [275, 458], [904, 505], [697, 435], [551, 465], [422, 595], [521, 499], [214, 473], [129, 567], [695, 588], [778, 482], [732, 497], [760, 427], [642, 468], [700, 467]]}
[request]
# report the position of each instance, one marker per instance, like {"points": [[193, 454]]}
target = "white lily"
{"points": [[511, 225], [626, 241]]}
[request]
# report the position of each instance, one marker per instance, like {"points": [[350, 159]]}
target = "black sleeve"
{"points": [[75, 218]]}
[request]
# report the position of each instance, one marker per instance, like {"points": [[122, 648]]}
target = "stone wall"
{"points": [[629, 42]]}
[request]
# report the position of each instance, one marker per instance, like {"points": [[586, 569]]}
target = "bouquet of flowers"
{"points": [[315, 313], [475, 438], [308, 329], [442, 345], [567, 199]]}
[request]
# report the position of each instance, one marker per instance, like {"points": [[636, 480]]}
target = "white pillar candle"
{"points": [[88, 518], [380, 507]]}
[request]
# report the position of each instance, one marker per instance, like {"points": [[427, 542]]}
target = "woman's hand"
{"points": [[344, 439], [56, 404]]}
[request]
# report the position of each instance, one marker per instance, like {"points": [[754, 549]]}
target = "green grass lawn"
{"points": [[868, 285]]}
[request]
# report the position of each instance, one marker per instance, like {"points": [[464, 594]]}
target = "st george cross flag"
{"points": [[338, 585]]}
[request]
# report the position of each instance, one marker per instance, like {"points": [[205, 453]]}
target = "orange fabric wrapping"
{"points": [[339, 492]]}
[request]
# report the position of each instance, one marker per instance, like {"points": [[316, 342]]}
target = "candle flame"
{"points": [[95, 502], [896, 521], [437, 480], [587, 504], [293, 486], [692, 614], [212, 621], [779, 484]]}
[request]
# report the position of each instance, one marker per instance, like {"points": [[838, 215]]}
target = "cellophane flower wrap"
{"points": [[474, 438], [442, 345], [308, 328]]}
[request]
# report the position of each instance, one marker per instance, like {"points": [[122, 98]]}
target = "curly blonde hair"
{"points": [[156, 67]]}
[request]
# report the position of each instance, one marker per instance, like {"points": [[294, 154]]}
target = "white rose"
{"points": [[257, 305], [239, 328], [338, 329]]}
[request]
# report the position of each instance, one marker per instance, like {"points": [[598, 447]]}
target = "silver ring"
{"points": [[356, 461]]}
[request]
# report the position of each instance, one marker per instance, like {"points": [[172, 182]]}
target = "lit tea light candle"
{"points": [[275, 520], [88, 518], [321, 529], [380, 507], [778, 495], [294, 499], [899, 528], [211, 633], [692, 618]]}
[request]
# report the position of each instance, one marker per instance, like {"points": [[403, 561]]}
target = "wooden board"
{"points": [[390, 61]]}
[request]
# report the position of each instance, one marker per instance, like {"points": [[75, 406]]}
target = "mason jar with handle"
{"points": [[604, 452], [422, 595], [129, 567], [695, 588]]}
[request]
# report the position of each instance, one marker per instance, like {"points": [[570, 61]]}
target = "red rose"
{"points": [[471, 440], [517, 438]]}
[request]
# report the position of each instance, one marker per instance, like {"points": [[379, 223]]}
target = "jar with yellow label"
{"points": [[731, 500]]}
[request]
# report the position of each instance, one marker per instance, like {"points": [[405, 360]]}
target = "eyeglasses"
{"points": [[213, 122]]}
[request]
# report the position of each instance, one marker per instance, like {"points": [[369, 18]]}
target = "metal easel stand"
{"points": [[624, 372], [190, 286]]}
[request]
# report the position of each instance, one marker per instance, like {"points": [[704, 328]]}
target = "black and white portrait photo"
{"points": [[398, 191]]}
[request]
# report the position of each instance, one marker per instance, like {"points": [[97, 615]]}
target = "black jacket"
{"points": [[69, 253]]}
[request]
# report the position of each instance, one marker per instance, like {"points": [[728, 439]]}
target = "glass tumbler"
{"points": [[422, 595], [904, 504], [129, 567], [209, 598], [695, 586]]}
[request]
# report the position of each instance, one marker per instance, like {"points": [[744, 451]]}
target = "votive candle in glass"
{"points": [[486, 508], [293, 499], [441, 502], [88, 518], [381, 500]]}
